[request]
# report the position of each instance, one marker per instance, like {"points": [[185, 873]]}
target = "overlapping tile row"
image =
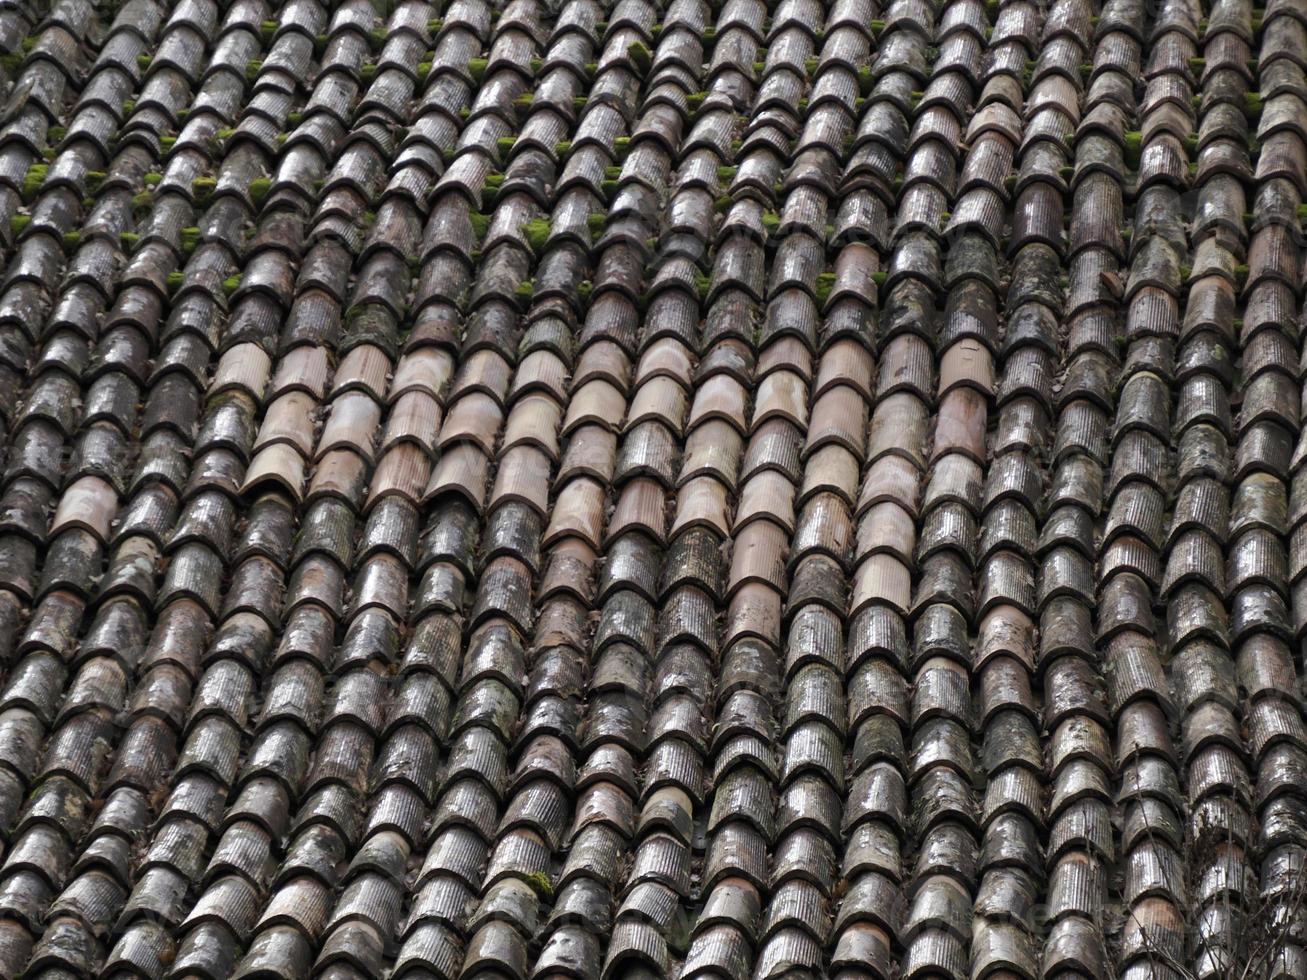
{"points": [[961, 272], [605, 489], [1155, 891], [302, 787], [55, 355], [64, 359], [478, 870], [476, 899], [646, 719], [89, 860], [201, 686], [992, 838], [1077, 816], [39, 416], [1216, 769], [826, 358], [371, 458], [777, 771], [867, 925], [1267, 606]]}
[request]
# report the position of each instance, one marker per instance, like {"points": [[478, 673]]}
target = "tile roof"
{"points": [[584, 489]]}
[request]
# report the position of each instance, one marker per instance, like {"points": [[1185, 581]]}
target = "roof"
{"points": [[578, 489]]}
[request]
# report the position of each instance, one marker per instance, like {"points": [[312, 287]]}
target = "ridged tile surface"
{"points": [[550, 489]]}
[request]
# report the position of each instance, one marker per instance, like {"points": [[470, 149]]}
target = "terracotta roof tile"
{"points": [[650, 489]]}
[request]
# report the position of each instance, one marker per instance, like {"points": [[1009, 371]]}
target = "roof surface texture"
{"points": [[568, 489]]}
